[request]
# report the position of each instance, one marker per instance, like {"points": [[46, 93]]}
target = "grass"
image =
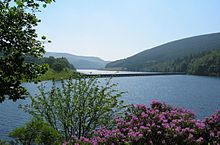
{"points": [[54, 75]]}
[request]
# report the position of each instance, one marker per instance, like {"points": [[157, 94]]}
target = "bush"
{"points": [[78, 107], [160, 124], [36, 132], [213, 128]]}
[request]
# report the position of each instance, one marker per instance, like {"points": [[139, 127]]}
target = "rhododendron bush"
{"points": [[156, 125]]}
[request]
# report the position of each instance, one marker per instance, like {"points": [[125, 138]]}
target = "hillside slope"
{"points": [[169, 51], [80, 62]]}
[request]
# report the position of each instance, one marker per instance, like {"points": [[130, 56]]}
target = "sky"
{"points": [[116, 29]]}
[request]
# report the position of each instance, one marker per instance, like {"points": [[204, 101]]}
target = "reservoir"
{"points": [[199, 94]]}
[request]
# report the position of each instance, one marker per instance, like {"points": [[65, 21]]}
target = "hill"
{"points": [[58, 68], [80, 62], [145, 61]]}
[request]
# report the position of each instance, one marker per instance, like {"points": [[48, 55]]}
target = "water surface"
{"points": [[196, 93]]}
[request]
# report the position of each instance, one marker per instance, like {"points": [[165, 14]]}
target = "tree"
{"points": [[78, 107], [58, 67], [57, 64], [18, 39]]}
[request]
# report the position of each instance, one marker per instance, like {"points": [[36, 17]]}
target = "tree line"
{"points": [[57, 64], [206, 63]]}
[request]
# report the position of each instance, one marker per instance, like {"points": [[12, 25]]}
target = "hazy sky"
{"points": [[114, 29]]}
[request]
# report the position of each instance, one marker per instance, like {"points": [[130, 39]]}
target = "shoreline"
{"points": [[132, 74]]}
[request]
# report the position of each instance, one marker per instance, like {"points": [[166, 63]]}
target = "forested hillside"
{"points": [[58, 68], [57, 64], [161, 57], [202, 64], [208, 64]]}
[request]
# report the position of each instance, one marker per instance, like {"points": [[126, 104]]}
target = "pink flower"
{"points": [[199, 140], [143, 127], [140, 135], [170, 123]]}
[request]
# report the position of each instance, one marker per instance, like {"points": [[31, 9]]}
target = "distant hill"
{"points": [[168, 52], [80, 62]]}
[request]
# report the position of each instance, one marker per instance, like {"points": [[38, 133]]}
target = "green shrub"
{"points": [[36, 132], [76, 108]]}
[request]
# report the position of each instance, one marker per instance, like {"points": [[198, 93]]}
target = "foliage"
{"points": [[36, 132], [78, 107], [64, 70], [208, 64], [160, 124], [32, 4], [53, 75], [57, 64], [213, 128], [17, 40]]}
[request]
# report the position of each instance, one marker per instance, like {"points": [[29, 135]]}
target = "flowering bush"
{"points": [[213, 128], [159, 124]]}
